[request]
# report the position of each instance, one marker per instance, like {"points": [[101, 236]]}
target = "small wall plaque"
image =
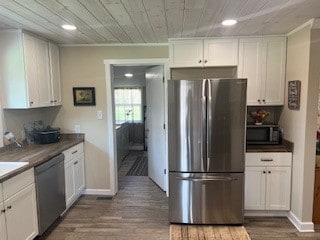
{"points": [[294, 88]]}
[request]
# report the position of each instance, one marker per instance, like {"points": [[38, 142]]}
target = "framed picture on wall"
{"points": [[84, 96], [294, 88]]}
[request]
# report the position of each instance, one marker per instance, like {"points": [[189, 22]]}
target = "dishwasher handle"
{"points": [[49, 164]]}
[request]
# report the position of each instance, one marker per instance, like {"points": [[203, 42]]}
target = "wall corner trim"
{"points": [[104, 192], [301, 226]]}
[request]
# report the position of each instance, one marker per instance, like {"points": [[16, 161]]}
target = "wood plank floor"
{"points": [[140, 212]]}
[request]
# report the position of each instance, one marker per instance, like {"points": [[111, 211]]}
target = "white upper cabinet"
{"points": [[25, 71], [56, 98], [220, 52], [262, 62], [203, 52]]}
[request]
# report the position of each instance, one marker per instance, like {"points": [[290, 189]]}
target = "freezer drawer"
{"points": [[196, 198]]}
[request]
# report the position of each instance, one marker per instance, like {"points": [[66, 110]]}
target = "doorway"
{"points": [[136, 100]]}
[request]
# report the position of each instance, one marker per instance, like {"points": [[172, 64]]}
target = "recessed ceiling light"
{"points": [[229, 22], [129, 75], [69, 27]]}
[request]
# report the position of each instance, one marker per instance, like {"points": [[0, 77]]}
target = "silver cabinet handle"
{"points": [[266, 159]]}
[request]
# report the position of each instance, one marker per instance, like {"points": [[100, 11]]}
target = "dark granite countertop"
{"points": [[286, 146], [36, 154]]}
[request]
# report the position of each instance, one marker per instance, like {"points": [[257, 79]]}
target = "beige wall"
{"points": [[300, 126], [83, 67]]}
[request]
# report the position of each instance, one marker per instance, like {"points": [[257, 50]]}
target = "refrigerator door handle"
{"points": [[207, 179], [208, 130], [204, 126]]}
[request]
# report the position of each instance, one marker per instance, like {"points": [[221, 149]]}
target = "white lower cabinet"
{"points": [[21, 210], [268, 181], [18, 219], [74, 173], [3, 231]]}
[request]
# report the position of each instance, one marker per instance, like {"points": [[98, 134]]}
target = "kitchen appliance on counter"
{"points": [[206, 150], [36, 132], [263, 134], [48, 135], [50, 189]]}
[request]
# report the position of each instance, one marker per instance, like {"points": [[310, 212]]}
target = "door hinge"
{"points": [[165, 171], [164, 126]]}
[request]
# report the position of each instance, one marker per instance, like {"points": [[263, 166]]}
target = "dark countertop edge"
{"points": [[286, 146], [74, 138]]}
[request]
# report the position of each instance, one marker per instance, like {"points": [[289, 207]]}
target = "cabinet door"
{"points": [[278, 188], [21, 214], [3, 231], [78, 165], [220, 52], [250, 64], [30, 58], [186, 53], [69, 181], [255, 188], [55, 74], [43, 73], [273, 71]]}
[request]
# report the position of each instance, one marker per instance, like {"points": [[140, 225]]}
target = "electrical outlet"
{"points": [[77, 128], [99, 115]]}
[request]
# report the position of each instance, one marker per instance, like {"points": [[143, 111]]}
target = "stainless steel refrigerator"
{"points": [[206, 150]]}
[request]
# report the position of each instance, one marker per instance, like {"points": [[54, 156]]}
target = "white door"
{"points": [[157, 158]]}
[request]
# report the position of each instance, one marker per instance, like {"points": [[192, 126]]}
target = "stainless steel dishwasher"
{"points": [[50, 187]]}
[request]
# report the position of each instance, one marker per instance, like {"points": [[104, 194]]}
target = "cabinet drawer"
{"points": [[18, 183], [268, 159], [73, 152]]}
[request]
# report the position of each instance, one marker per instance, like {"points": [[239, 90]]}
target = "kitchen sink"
{"points": [[7, 167]]}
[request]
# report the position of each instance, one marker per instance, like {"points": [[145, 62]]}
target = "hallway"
{"points": [[139, 211]]}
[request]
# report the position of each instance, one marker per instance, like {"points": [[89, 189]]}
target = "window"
{"points": [[128, 104]]}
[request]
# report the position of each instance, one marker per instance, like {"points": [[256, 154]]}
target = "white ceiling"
{"points": [[153, 21]]}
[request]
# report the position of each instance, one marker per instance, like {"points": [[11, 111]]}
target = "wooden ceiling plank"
{"points": [[156, 13], [98, 10], [70, 18], [139, 16], [23, 9], [82, 13], [119, 13], [174, 23], [23, 21], [255, 24], [230, 11], [208, 19], [192, 15]]}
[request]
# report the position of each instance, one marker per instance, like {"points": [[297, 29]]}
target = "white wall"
{"points": [[300, 126], [84, 67]]}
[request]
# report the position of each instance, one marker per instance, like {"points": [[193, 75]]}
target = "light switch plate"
{"points": [[77, 128], [99, 115]]}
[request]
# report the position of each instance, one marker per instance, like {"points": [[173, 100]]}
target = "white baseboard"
{"points": [[301, 226], [263, 213], [104, 192]]}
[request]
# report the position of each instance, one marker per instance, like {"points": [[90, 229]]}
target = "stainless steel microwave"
{"points": [[263, 134]]}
